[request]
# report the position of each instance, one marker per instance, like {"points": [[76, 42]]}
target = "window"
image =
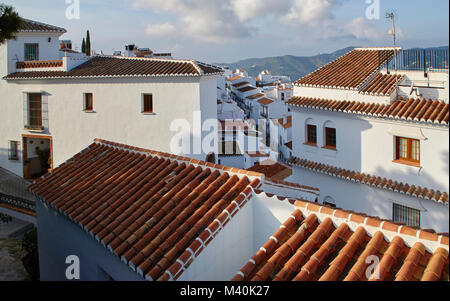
{"points": [[311, 134], [147, 103], [88, 102], [34, 111], [407, 150], [406, 215], [330, 138], [31, 52], [282, 97], [13, 150]]}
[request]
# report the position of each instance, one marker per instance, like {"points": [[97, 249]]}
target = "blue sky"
{"points": [[230, 30]]}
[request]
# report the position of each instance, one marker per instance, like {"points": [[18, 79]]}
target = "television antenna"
{"points": [[392, 32]]}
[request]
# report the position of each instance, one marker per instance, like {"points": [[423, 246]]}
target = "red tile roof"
{"points": [[272, 170], [382, 183], [382, 85], [265, 101], [104, 66], [234, 78], [350, 70], [153, 210], [241, 84], [246, 89], [39, 64], [257, 154], [287, 124], [34, 26], [325, 244], [419, 110], [255, 96]]}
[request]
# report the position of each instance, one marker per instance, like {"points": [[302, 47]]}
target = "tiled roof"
{"points": [[33, 26], [287, 124], [382, 183], [289, 145], [272, 170], [257, 154], [382, 84], [350, 70], [39, 64], [154, 211], [232, 79], [325, 244], [104, 66], [246, 89], [255, 96], [419, 110], [265, 101], [241, 84]]}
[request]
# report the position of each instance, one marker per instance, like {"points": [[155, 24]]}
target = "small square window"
{"points": [[147, 103], [88, 102], [13, 151], [408, 150]]}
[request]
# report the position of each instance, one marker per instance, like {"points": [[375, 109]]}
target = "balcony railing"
{"points": [[426, 60], [17, 203]]}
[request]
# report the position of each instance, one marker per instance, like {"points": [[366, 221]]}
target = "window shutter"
{"points": [[44, 103]]}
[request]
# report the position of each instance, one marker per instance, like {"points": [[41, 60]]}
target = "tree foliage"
{"points": [[88, 44], [83, 46], [10, 23]]}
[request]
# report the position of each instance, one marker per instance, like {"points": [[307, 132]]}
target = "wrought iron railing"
{"points": [[18, 203], [426, 60]]}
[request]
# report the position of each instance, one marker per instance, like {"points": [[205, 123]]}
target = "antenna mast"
{"points": [[392, 32]]}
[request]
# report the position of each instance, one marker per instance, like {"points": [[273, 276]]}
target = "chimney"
{"points": [[130, 50]]}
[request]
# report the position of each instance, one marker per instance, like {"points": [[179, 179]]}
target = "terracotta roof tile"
{"points": [[265, 101], [147, 208], [105, 66], [349, 71], [382, 183], [34, 26], [272, 170], [419, 110], [382, 84], [332, 249]]}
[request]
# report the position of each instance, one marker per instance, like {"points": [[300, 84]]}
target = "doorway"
{"points": [[37, 156]]}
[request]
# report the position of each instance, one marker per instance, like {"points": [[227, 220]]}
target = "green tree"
{"points": [[88, 44], [10, 23], [83, 46]]}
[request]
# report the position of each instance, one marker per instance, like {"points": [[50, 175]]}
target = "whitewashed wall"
{"points": [[370, 200], [366, 145], [117, 112]]}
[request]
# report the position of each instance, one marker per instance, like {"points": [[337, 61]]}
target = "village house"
{"points": [[54, 101], [375, 137], [129, 213]]}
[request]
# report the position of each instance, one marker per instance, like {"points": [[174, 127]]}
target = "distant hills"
{"points": [[294, 66]]}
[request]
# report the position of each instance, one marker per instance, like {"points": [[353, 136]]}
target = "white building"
{"points": [[167, 218], [367, 148], [58, 104]]}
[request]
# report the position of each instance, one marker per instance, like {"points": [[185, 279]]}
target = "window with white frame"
{"points": [[406, 215], [13, 153]]}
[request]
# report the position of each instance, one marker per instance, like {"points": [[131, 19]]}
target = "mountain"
{"points": [[298, 66], [293, 66]]}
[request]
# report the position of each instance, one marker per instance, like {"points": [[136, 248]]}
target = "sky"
{"points": [[225, 31]]}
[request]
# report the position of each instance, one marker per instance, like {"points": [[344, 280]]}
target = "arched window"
{"points": [[329, 201], [311, 132], [330, 140]]}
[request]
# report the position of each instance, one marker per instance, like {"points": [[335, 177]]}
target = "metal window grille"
{"points": [[31, 52], [13, 150], [406, 215]]}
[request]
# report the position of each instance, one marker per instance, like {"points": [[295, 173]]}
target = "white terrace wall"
{"points": [[241, 238], [59, 238], [367, 145], [370, 200]]}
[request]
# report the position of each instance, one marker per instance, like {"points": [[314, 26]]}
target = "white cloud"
{"points": [[249, 9], [206, 20], [312, 11], [362, 29], [160, 30]]}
